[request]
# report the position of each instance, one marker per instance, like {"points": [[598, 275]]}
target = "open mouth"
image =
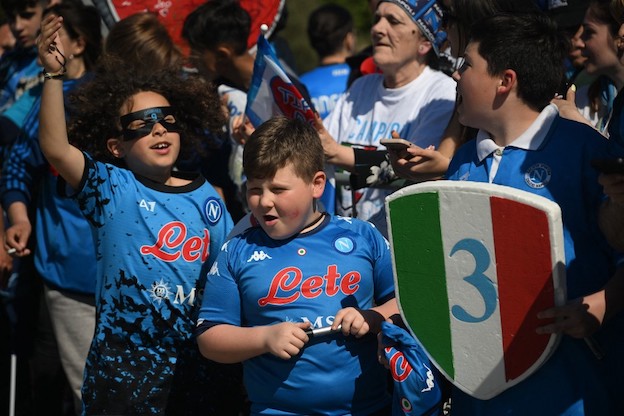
{"points": [[160, 146], [269, 219]]}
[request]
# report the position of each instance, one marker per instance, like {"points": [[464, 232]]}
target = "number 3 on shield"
{"points": [[477, 279]]}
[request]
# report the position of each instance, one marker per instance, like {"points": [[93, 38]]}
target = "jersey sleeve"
{"points": [[221, 300], [383, 277], [219, 233], [102, 184]]}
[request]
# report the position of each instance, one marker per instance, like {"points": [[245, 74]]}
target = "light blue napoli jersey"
{"points": [[153, 245], [308, 278], [573, 381], [326, 84]]}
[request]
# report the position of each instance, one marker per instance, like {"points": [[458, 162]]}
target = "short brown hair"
{"points": [[280, 141]]}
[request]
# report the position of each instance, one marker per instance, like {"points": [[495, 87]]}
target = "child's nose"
{"points": [[266, 200], [158, 129]]}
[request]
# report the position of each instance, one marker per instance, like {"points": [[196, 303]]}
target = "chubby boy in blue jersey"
{"points": [[299, 269], [512, 69]]}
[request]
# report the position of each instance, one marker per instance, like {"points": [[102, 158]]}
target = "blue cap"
{"points": [[428, 16]]}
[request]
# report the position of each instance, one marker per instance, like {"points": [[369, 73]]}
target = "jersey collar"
{"points": [[531, 139]]}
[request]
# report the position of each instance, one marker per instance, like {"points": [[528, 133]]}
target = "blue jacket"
{"points": [[64, 250]]}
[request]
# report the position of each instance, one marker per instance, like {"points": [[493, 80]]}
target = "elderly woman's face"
{"points": [[396, 38]]}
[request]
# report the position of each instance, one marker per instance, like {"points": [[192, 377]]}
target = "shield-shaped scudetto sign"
{"points": [[474, 263]]}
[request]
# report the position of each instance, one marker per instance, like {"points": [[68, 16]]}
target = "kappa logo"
{"points": [[224, 247], [345, 219], [430, 380], [538, 176], [214, 270], [259, 256]]}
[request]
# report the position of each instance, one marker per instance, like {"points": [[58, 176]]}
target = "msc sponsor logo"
{"points": [[161, 291]]}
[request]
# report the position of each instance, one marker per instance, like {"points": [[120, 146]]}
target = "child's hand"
{"points": [[286, 340], [579, 318], [418, 164], [330, 146], [567, 106], [51, 51], [357, 322], [16, 238], [241, 128]]}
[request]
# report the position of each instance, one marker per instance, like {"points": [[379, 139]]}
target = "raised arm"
{"points": [[335, 153], [66, 159]]}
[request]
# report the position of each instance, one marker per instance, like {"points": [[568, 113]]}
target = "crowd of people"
{"points": [[127, 160]]}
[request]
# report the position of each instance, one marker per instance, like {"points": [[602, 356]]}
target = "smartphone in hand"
{"points": [[396, 145], [615, 165]]}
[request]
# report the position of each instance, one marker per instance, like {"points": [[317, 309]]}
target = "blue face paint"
{"points": [[149, 117]]}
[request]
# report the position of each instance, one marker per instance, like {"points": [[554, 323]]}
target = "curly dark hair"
{"points": [[94, 109]]}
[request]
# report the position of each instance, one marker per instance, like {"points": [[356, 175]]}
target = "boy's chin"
{"points": [[276, 234]]}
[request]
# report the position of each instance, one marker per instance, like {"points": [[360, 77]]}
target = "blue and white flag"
{"points": [[272, 93]]}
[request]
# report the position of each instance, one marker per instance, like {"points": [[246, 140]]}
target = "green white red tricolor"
{"points": [[474, 263]]}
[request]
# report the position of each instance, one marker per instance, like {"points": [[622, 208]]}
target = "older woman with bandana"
{"points": [[410, 97], [417, 163]]}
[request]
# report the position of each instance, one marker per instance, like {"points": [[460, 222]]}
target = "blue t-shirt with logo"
{"points": [[154, 244], [325, 85], [572, 381], [308, 278]]}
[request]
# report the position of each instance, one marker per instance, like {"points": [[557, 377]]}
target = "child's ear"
{"points": [[508, 80], [224, 53], [79, 47], [318, 184], [115, 147]]}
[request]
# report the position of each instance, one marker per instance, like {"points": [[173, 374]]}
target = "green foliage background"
{"points": [[295, 30]]}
